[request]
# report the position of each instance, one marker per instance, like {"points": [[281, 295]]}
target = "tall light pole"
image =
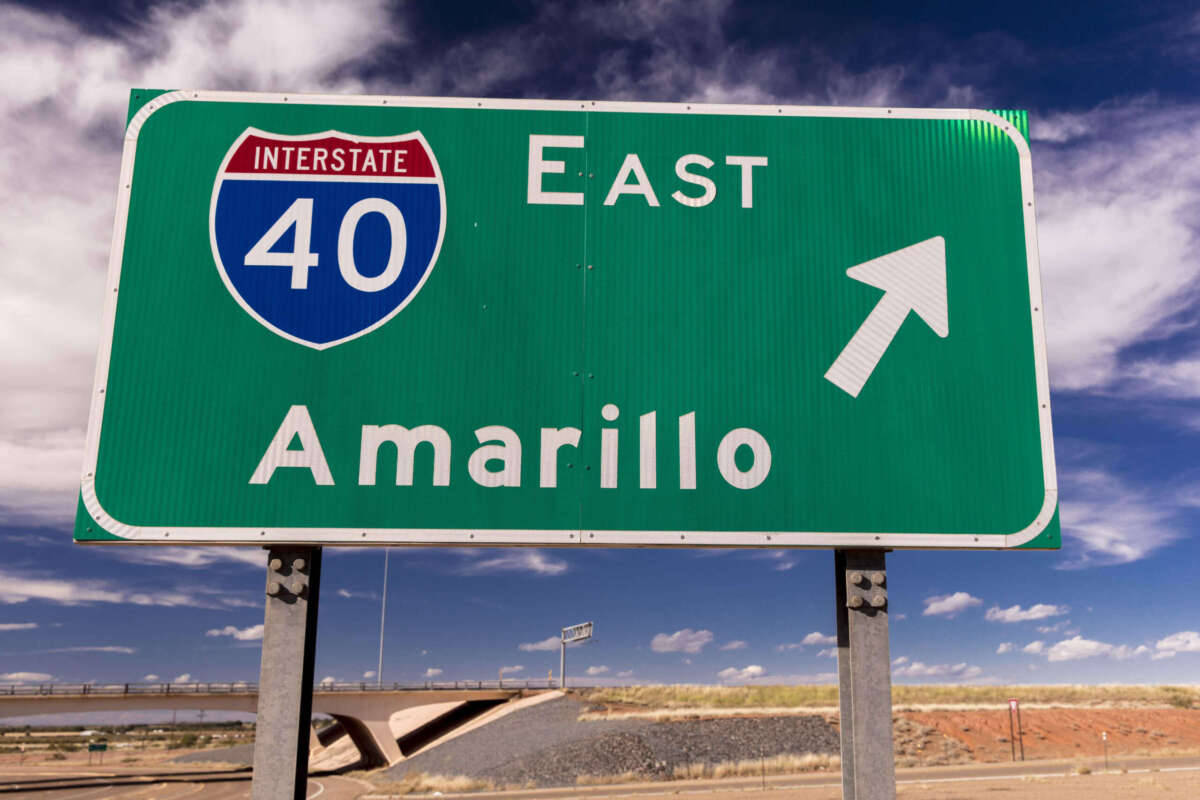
{"points": [[382, 615], [572, 633]]}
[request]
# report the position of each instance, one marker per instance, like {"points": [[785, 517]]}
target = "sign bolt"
{"points": [[877, 578], [878, 600], [298, 588], [855, 602], [855, 578], [276, 564], [299, 564], [273, 588]]}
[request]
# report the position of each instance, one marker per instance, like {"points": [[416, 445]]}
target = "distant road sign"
{"points": [[97, 747], [577, 633], [368, 320]]}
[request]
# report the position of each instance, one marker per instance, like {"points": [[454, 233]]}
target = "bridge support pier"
{"points": [[281, 742]]}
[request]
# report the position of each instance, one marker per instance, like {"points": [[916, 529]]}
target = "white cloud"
{"points": [[432, 672], [1110, 521], [184, 678], [69, 86], [682, 641], [734, 675], [369, 674], [549, 643], [251, 634], [625, 673], [150, 677], [597, 670], [949, 605], [17, 588], [346, 594], [1182, 642], [952, 672], [521, 560], [106, 648], [514, 668], [192, 556], [782, 560], [1119, 162], [787, 647], [1164, 378], [1077, 648], [828, 652], [1058, 626], [736, 644], [17, 626], [1034, 648], [1004, 647], [328, 679], [25, 677], [1018, 614], [816, 637]]}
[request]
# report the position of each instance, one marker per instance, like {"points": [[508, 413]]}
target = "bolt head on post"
{"points": [[877, 578], [855, 578], [297, 588], [855, 602], [275, 564], [878, 600], [298, 564], [273, 588]]}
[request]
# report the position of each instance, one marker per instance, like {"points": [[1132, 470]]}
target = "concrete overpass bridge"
{"points": [[386, 723]]}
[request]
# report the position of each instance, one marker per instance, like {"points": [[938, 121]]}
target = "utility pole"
{"points": [[382, 615]]}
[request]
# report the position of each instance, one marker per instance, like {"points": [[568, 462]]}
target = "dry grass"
{"points": [[760, 697], [603, 780], [424, 783], [783, 764]]}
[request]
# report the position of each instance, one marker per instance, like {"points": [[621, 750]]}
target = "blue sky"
{"points": [[1114, 97]]}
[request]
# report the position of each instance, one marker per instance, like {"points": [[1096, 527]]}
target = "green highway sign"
{"points": [[366, 320]]}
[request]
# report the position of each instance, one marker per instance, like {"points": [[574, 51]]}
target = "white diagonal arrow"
{"points": [[913, 279]]}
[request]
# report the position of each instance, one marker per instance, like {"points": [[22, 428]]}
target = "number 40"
{"points": [[302, 258]]}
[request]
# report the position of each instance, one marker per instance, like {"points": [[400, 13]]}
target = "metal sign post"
{"points": [[286, 681], [1020, 733], [864, 675], [573, 633], [1012, 733]]}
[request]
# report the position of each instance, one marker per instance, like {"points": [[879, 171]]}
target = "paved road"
{"points": [[179, 781], [158, 782], [818, 786]]}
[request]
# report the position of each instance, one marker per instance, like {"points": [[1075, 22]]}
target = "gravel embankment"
{"points": [[546, 745]]}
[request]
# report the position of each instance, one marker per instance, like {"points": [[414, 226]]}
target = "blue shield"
{"points": [[325, 237]]}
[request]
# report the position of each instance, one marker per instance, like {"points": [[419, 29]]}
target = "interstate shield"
{"points": [[324, 237]]}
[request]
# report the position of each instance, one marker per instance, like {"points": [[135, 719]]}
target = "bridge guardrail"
{"points": [[246, 687]]}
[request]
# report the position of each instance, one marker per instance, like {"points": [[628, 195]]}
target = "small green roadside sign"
{"points": [[367, 320], [97, 747]]}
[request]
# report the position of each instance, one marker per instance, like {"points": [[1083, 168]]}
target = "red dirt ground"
{"points": [[1068, 732]]}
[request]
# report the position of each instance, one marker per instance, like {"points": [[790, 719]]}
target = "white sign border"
{"points": [[131, 534]]}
